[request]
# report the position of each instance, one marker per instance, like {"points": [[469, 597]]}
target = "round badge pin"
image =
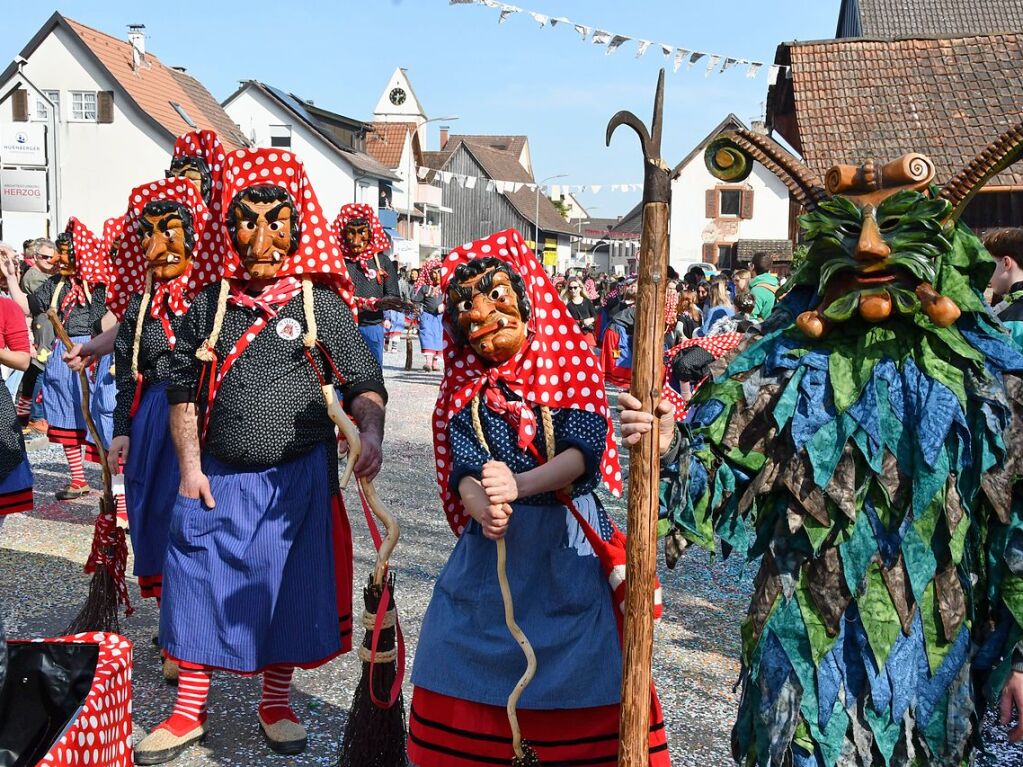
{"points": [[289, 329]]}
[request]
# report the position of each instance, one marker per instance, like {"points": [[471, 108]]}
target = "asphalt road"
{"points": [[697, 645]]}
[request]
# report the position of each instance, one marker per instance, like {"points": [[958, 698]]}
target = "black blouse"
{"points": [[269, 409], [370, 288], [426, 302], [79, 320]]}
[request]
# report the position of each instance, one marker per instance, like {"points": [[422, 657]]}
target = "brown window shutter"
{"points": [[710, 253], [746, 205], [712, 203], [19, 105], [105, 107]]}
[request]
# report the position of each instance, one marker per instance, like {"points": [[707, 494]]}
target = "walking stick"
{"points": [[644, 459], [109, 556]]}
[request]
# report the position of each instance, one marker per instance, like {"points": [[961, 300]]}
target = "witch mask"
{"points": [[880, 236], [264, 229], [168, 238], [196, 171], [64, 258], [488, 308], [357, 234]]}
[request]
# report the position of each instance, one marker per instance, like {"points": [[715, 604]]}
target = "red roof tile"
{"points": [[386, 141]]}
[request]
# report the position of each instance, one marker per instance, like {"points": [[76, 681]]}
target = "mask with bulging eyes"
{"points": [[357, 234], [488, 311], [167, 236], [263, 229], [64, 258]]}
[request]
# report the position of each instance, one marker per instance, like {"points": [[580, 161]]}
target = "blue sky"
{"points": [[509, 78]]}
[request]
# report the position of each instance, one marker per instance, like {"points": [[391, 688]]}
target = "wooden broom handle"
{"points": [[391, 528], [83, 377]]}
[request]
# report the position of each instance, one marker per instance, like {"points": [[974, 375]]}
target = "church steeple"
{"points": [[398, 102]]}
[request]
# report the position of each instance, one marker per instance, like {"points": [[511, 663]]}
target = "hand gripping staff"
{"points": [[644, 460]]}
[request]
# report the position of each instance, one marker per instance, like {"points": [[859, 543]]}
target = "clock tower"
{"points": [[398, 102]]}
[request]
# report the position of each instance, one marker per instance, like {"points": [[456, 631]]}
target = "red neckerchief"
{"points": [[170, 299], [75, 296], [267, 303]]}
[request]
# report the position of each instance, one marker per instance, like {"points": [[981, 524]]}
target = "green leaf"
{"points": [[820, 642], [934, 636], [906, 301], [880, 619], [841, 309]]}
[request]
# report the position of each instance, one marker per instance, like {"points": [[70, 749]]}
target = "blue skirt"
{"points": [[562, 603], [397, 320], [431, 332], [16, 489], [151, 479], [250, 583], [62, 398], [373, 335], [102, 399]]}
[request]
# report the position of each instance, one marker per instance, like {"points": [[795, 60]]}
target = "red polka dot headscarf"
{"points": [[423, 279], [378, 241], [206, 145], [317, 253], [554, 368], [90, 259], [129, 264], [113, 229]]}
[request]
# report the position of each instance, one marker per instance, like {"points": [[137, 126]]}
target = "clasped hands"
{"points": [[489, 499]]}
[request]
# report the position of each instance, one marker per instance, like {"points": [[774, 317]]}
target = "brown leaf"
{"points": [[827, 588], [951, 600], [896, 580], [798, 478], [953, 505], [842, 486], [766, 589], [895, 484]]}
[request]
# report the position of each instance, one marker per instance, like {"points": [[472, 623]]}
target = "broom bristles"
{"points": [[100, 610], [528, 758], [374, 736]]}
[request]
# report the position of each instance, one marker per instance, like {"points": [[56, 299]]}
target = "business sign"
{"points": [[550, 251], [23, 191], [23, 144]]}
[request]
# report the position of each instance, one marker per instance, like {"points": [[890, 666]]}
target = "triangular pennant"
{"points": [[712, 64], [772, 74], [531, 187], [423, 173], [641, 47], [516, 186], [491, 185], [666, 49], [680, 55], [754, 69], [694, 58], [463, 2], [600, 37], [583, 30], [555, 20], [596, 188], [539, 18], [506, 11], [470, 182], [615, 187], [459, 179], [729, 63], [446, 176], [616, 43]]}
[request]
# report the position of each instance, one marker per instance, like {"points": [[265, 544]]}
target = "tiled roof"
{"points": [[780, 249], [850, 100], [154, 86], [385, 142], [936, 18], [513, 144]]}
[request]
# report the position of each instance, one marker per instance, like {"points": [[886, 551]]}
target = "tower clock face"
{"points": [[397, 97]]}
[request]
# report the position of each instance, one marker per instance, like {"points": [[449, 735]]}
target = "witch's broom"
{"points": [[109, 556], [374, 734]]}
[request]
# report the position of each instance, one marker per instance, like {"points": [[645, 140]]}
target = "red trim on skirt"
{"points": [[15, 501], [448, 732], [69, 437], [151, 586]]}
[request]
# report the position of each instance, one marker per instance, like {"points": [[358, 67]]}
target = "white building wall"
{"points": [[333, 179], [99, 164], [690, 227]]}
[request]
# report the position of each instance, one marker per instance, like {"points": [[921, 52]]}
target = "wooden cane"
{"points": [[83, 377], [644, 457]]}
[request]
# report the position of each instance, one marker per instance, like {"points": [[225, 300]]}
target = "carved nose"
{"points": [[261, 241], [871, 245], [155, 249]]}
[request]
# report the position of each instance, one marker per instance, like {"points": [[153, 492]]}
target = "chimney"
{"points": [[759, 126], [137, 40], [444, 135]]}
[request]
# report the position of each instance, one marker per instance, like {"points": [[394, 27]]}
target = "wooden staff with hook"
{"points": [[644, 458]]}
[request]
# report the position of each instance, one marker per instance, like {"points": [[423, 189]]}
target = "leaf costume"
{"points": [[865, 448]]}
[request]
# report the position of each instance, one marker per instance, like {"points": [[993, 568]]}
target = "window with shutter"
{"points": [[712, 203], [19, 105], [746, 208], [105, 107], [710, 253], [729, 202]]}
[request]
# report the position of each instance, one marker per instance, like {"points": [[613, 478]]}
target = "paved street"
{"points": [[42, 586]]}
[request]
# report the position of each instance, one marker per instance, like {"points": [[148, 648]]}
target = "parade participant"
{"points": [[521, 425], [871, 436], [763, 286], [1006, 245], [363, 242], [77, 293], [616, 345], [156, 273], [15, 471], [257, 577], [581, 309], [429, 298]]}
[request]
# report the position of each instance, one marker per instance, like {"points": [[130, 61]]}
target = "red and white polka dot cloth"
{"points": [[100, 735], [716, 346], [424, 279], [555, 367], [129, 264], [318, 253], [378, 241], [113, 228], [205, 144], [90, 258]]}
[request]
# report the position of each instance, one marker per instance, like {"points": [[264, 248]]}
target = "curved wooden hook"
{"points": [[657, 186]]}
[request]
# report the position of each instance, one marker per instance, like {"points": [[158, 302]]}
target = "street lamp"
{"points": [[536, 225], [411, 175]]}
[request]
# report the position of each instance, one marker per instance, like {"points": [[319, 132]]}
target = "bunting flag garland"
{"points": [[613, 41], [505, 187]]}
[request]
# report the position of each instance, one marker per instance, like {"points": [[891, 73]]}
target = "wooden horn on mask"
{"points": [[992, 160], [730, 157]]}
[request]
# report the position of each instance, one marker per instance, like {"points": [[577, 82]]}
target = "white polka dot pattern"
{"points": [[544, 372], [129, 263], [357, 210], [717, 346], [90, 260], [318, 252], [100, 736]]}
